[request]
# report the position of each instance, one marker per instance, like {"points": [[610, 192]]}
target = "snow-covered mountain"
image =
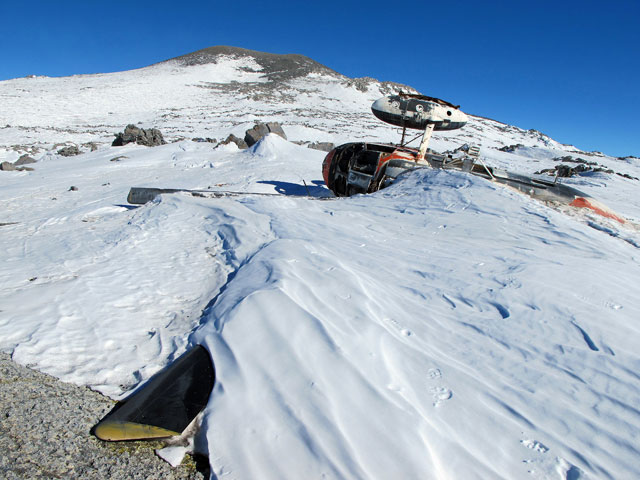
{"points": [[215, 91], [446, 327]]}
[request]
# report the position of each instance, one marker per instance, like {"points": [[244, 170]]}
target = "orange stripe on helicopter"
{"points": [[581, 202]]}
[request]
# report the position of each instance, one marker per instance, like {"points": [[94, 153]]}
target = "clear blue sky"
{"points": [[568, 68]]}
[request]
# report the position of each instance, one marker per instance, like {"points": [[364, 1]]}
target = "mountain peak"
{"points": [[275, 66]]}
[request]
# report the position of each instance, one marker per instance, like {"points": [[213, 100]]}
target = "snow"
{"points": [[445, 327]]}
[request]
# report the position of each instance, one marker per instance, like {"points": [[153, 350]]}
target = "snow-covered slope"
{"points": [[445, 327], [212, 93]]}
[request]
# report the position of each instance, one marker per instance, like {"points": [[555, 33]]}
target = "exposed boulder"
{"points": [[69, 151], [260, 130], [275, 127], [133, 134], [238, 141], [7, 166], [324, 146], [253, 135], [24, 160], [16, 167]]}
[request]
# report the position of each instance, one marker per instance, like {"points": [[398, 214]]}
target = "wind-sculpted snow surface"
{"points": [[445, 327]]}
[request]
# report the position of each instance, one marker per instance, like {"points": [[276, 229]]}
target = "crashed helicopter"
{"points": [[365, 167]]}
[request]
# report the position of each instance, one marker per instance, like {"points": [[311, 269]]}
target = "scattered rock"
{"points": [[511, 148], [150, 138], [566, 171], [204, 140], [361, 84], [570, 159], [238, 141], [626, 175], [7, 166], [583, 166], [24, 160], [462, 148], [14, 167], [260, 130], [324, 146], [69, 151], [73, 188], [92, 146], [118, 158]]}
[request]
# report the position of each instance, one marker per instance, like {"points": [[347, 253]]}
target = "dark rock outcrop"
{"points": [[511, 148], [260, 130], [132, 134], [274, 67], [24, 160], [233, 139], [583, 166], [566, 171], [570, 159], [70, 151], [253, 135]]}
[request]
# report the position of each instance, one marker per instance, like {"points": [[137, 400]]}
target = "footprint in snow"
{"points": [[534, 445], [440, 395], [539, 465]]}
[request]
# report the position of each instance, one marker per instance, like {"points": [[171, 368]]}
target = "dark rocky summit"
{"points": [[275, 67]]}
